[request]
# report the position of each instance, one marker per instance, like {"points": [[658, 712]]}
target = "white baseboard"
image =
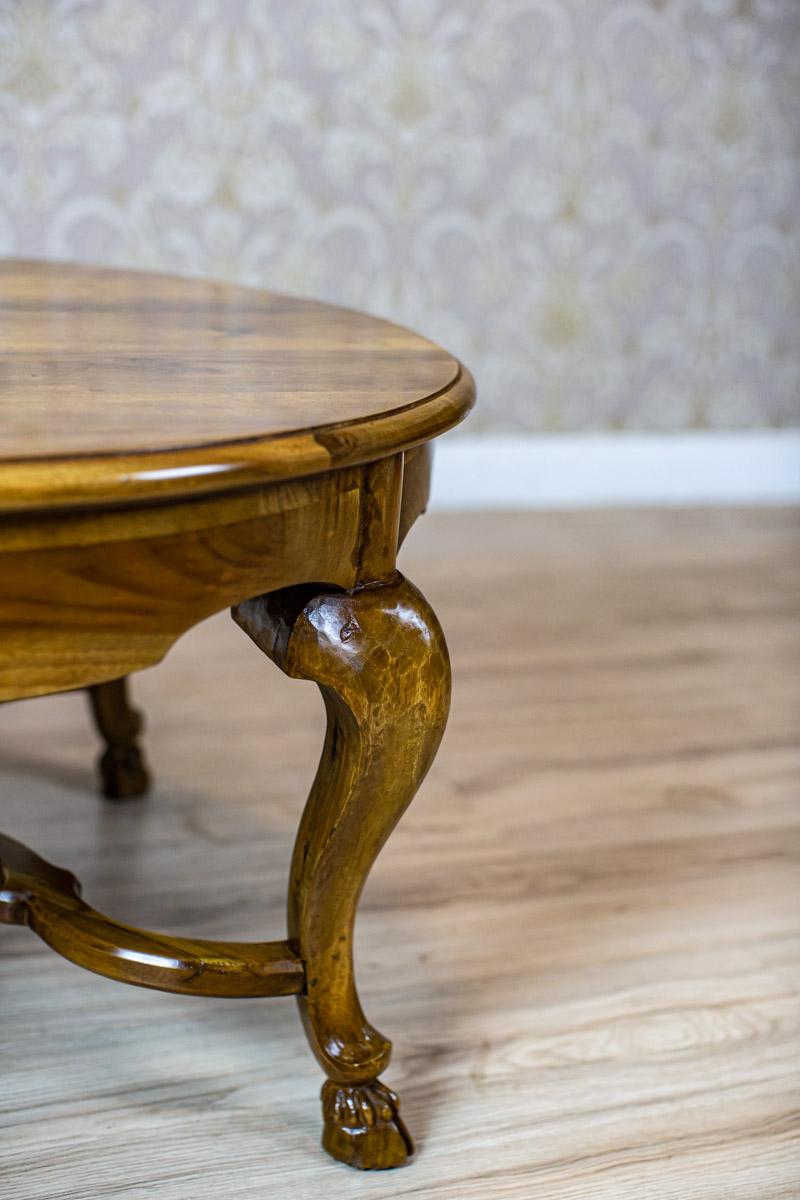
{"points": [[578, 470]]}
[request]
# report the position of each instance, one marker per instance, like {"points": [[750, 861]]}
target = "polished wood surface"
{"points": [[123, 774], [105, 562], [105, 559], [109, 593], [119, 386], [379, 658], [593, 988], [154, 571], [48, 900]]}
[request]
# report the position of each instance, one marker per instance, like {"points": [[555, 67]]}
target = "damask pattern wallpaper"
{"points": [[596, 203]]}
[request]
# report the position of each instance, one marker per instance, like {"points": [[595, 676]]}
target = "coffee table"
{"points": [[171, 447]]}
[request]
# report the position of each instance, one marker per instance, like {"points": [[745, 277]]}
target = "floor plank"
{"points": [[584, 937]]}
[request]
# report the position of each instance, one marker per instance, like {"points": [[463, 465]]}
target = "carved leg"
{"points": [[123, 773], [380, 660]]}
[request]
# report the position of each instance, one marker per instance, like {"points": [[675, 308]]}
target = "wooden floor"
{"points": [[584, 938]]}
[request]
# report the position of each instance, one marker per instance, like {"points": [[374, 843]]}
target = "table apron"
{"points": [[94, 596]]}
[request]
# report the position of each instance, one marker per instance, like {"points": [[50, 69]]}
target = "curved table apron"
{"points": [[170, 448]]}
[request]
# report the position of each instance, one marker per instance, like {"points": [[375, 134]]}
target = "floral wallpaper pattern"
{"points": [[596, 203]]}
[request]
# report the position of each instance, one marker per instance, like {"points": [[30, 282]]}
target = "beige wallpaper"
{"points": [[596, 203]]}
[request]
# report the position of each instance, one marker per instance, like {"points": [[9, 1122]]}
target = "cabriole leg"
{"points": [[123, 774], [380, 660]]}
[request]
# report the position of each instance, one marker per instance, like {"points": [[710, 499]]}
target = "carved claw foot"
{"points": [[123, 774], [362, 1125], [380, 659]]}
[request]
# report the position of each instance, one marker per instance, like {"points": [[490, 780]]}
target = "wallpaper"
{"points": [[595, 203]]}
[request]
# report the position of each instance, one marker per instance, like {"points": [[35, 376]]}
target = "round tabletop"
{"points": [[122, 386]]}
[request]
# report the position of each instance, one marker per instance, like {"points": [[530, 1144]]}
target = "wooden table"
{"points": [[171, 447]]}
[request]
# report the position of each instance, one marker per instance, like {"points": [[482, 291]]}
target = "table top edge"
{"points": [[176, 474]]}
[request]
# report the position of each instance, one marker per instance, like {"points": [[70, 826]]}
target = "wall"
{"points": [[596, 203]]}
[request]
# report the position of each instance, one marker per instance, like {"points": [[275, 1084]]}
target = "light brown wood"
{"points": [[128, 398], [48, 900], [593, 990], [121, 386], [379, 658], [416, 486], [156, 571], [170, 447]]}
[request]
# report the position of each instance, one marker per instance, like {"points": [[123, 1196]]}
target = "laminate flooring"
{"points": [[583, 938]]}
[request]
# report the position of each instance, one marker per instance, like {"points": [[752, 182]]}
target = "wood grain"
{"points": [[379, 658], [91, 597], [593, 984], [118, 387], [101, 366], [47, 899]]}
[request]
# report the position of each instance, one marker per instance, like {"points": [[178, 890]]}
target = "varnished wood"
{"points": [[593, 987], [156, 571], [362, 1125], [416, 487], [48, 900], [170, 447], [119, 386], [380, 660], [123, 774]]}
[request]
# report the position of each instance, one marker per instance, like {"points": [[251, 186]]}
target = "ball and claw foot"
{"points": [[362, 1125]]}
